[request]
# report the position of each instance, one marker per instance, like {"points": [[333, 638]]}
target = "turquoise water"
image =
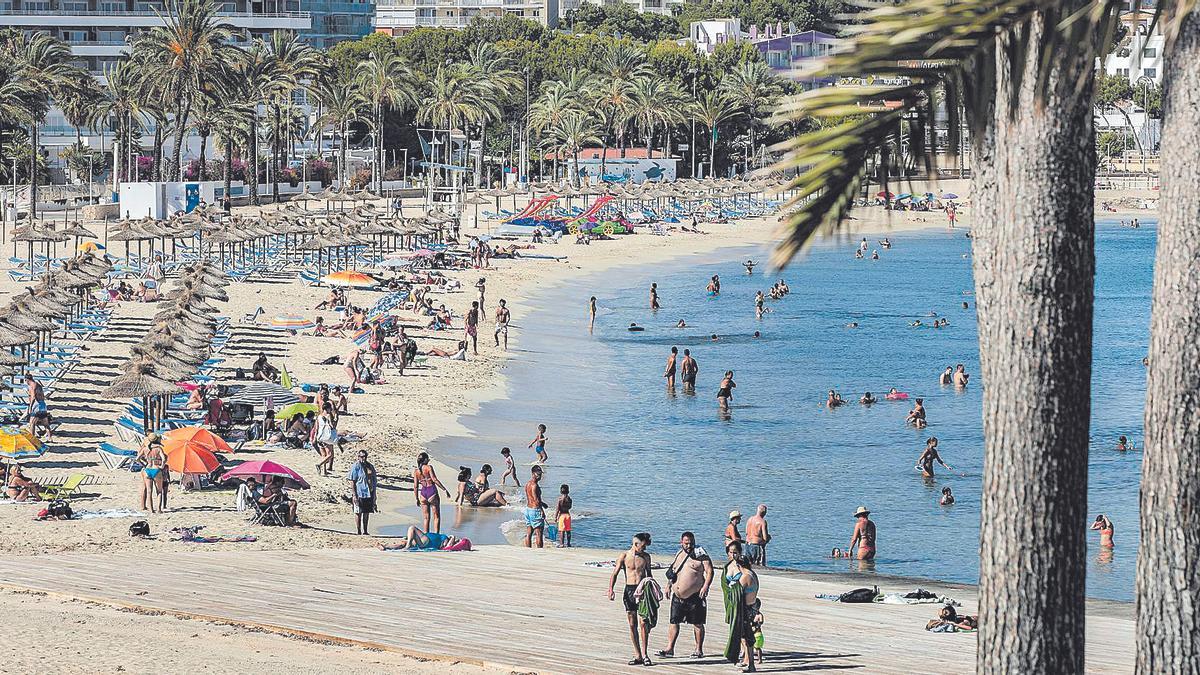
{"points": [[639, 458]]}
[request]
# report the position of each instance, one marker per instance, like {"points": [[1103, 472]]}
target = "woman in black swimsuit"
{"points": [[725, 393]]}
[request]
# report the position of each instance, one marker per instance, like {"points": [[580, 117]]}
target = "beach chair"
{"points": [[267, 514], [114, 458], [252, 317], [65, 490]]}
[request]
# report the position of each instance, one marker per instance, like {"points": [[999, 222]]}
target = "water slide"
{"points": [[591, 210], [533, 208]]}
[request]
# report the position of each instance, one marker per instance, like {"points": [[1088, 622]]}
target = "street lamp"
{"points": [[1145, 83], [694, 73], [525, 131]]}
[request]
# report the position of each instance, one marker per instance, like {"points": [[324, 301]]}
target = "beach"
{"points": [[397, 419]]}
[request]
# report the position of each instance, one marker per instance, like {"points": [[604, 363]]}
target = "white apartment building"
{"points": [[1140, 54], [664, 7], [707, 34], [396, 17]]}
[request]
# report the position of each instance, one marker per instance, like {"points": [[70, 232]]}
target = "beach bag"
{"points": [[239, 374], [59, 509], [326, 434], [139, 529], [859, 595]]}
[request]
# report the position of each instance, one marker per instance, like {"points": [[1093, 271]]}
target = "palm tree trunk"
{"points": [[342, 160], [603, 155], [252, 161], [276, 151], [575, 168], [479, 156], [158, 152], [202, 171], [1034, 264], [33, 154], [181, 120], [117, 150], [712, 152], [1168, 566], [650, 142], [228, 167]]}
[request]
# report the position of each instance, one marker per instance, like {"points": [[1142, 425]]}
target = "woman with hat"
{"points": [[731, 530], [864, 535]]}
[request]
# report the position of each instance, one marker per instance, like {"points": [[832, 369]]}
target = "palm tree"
{"points": [[612, 98], [712, 109], [620, 64], [576, 131], [387, 82], [556, 101], [342, 103], [194, 43], [121, 103], [1025, 78], [232, 130], [253, 74], [77, 99], [650, 106], [494, 72], [454, 100], [41, 68], [292, 64], [754, 87]]}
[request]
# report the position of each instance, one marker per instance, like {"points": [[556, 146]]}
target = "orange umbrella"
{"points": [[349, 278], [189, 458], [197, 437]]}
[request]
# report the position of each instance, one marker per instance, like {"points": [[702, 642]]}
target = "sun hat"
{"points": [[861, 511], [735, 514]]}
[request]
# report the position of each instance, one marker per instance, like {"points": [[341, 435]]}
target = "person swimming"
{"points": [[834, 400], [713, 337], [757, 334], [749, 265], [852, 324], [681, 324], [867, 399], [947, 497], [1123, 444], [633, 327], [1106, 528]]}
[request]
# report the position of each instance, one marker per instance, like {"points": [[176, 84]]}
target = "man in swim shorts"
{"points": [[669, 373], [472, 324], [688, 581], [636, 563], [688, 370], [757, 536], [502, 316], [535, 509]]}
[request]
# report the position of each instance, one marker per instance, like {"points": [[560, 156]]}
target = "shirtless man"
{"points": [[960, 376], [947, 376], [670, 371], [688, 580], [535, 509], [592, 313], [39, 415], [688, 370], [757, 536], [714, 285], [654, 297], [928, 456], [473, 326], [916, 416], [864, 535], [636, 563], [731, 530], [502, 317]]}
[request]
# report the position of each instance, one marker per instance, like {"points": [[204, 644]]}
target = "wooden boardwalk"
{"points": [[529, 611]]}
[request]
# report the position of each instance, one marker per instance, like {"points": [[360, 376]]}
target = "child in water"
{"points": [[947, 497], [510, 467]]}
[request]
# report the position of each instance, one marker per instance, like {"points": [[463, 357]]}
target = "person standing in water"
{"points": [[670, 371], [535, 509], [960, 376], [502, 317], [538, 444], [688, 370], [725, 393], [636, 564], [757, 536], [864, 535], [714, 285], [928, 456], [592, 313], [1106, 528], [947, 376], [759, 305], [749, 265], [654, 297]]}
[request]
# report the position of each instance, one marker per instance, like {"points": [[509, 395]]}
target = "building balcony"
{"points": [[146, 19]]}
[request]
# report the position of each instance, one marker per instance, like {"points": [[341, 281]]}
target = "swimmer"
{"points": [[947, 497], [1123, 444], [916, 324], [713, 337], [960, 376], [725, 393], [916, 416], [681, 324], [852, 324], [858, 254], [835, 399], [757, 334], [654, 297], [928, 456], [966, 306], [862, 246], [947, 376], [635, 328], [749, 265], [592, 313], [867, 399], [1106, 528], [885, 242], [875, 254], [714, 285]]}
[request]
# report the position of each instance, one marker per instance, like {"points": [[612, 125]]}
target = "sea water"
{"points": [[640, 458]]}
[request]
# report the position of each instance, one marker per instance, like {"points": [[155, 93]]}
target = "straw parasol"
{"points": [[12, 336]]}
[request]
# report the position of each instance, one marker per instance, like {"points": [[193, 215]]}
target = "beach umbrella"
{"points": [[197, 437], [11, 336], [257, 394], [291, 322], [18, 443], [903, 195], [393, 263], [949, 195], [187, 458], [90, 247], [292, 409], [885, 194], [8, 358], [262, 469], [349, 278]]}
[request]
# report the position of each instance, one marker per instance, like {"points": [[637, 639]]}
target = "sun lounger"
{"points": [[114, 458], [64, 491]]}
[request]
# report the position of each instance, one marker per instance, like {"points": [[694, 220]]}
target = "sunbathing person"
{"points": [[478, 492], [948, 616], [263, 370], [417, 540], [330, 300], [196, 399], [274, 496], [460, 355], [20, 488]]}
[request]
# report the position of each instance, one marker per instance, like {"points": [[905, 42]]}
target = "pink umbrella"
{"points": [[262, 469]]}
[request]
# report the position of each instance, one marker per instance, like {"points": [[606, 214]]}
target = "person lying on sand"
{"points": [[460, 355], [417, 540], [948, 616]]}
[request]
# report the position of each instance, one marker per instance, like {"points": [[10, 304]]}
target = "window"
{"points": [[1123, 72], [73, 6], [1149, 53], [1151, 73]]}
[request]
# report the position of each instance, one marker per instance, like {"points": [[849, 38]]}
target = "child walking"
{"points": [[510, 467]]}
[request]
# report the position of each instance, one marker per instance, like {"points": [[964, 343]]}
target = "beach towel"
{"points": [[108, 513], [648, 596], [285, 380], [240, 539], [917, 597], [735, 607]]}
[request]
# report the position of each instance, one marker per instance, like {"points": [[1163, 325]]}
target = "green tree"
{"points": [[342, 103], [576, 131], [623, 20], [192, 45], [755, 88], [387, 82], [493, 71], [292, 64], [121, 104], [556, 101], [651, 99], [712, 109]]}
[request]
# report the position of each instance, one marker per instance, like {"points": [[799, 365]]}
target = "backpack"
{"points": [[859, 595], [139, 529], [59, 509]]}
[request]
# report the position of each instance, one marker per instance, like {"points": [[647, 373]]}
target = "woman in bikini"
{"points": [[425, 490], [725, 393], [154, 462], [1106, 528], [20, 488]]}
